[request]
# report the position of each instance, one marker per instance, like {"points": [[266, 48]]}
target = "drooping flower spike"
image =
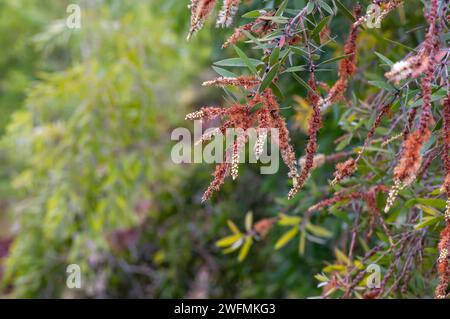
{"points": [[411, 159], [241, 118], [247, 82], [229, 9], [444, 242], [347, 67], [202, 9]]}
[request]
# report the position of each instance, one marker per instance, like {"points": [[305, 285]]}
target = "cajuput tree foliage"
{"points": [[18, 23], [388, 93], [90, 148]]}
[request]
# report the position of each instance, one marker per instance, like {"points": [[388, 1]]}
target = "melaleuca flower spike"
{"points": [[315, 123], [238, 34], [209, 135], [235, 162], [245, 81], [411, 159], [444, 242], [416, 65], [208, 112], [229, 10], [347, 67], [446, 154], [443, 263], [221, 172], [240, 118], [200, 11], [279, 123], [261, 139], [241, 139]]}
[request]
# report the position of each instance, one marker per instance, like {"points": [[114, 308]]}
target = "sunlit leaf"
{"points": [[284, 239], [245, 248]]}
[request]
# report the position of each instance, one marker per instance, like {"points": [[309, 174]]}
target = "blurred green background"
{"points": [[85, 169]]}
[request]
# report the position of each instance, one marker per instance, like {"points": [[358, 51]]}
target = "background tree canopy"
{"points": [[86, 176]]}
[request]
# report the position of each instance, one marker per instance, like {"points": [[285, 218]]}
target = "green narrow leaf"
{"points": [[223, 72], [279, 20], [233, 227], [383, 85], [384, 59], [274, 56], [335, 59], [319, 27], [251, 14], [284, 56], [245, 248], [297, 68], [318, 231], [269, 77], [286, 220], [302, 243], [281, 8], [246, 59], [303, 83], [309, 7], [429, 221], [287, 236], [228, 241], [429, 210], [248, 221], [277, 91], [255, 40], [341, 257], [256, 107], [233, 247], [236, 62], [345, 11], [401, 45], [342, 144], [321, 278], [433, 202], [325, 6]]}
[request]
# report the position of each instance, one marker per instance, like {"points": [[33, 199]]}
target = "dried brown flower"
{"points": [[315, 123], [200, 10], [247, 82], [443, 263], [263, 227], [411, 159], [446, 139], [343, 170], [241, 118], [347, 67], [345, 196], [229, 10], [406, 170], [414, 66], [444, 242], [221, 172]]}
